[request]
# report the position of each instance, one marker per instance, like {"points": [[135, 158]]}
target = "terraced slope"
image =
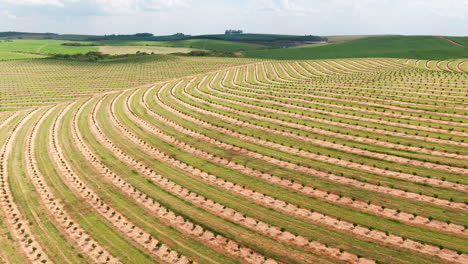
{"points": [[332, 161]]}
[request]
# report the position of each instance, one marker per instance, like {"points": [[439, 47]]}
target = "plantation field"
{"points": [[414, 47], [30, 83], [165, 159]]}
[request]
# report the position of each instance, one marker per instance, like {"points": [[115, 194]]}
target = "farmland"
{"points": [[267, 47], [185, 159]]}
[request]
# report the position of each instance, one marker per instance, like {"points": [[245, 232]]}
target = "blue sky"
{"points": [[161, 17]]}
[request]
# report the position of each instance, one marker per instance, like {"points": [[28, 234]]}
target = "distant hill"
{"points": [[28, 35], [412, 47], [267, 46], [264, 39], [261, 37]]}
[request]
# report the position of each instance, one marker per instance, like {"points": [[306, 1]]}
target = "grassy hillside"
{"points": [[20, 49], [343, 38], [415, 47], [411, 47], [41, 47], [5, 55]]}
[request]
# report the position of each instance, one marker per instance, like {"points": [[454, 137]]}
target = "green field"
{"points": [[41, 47], [7, 55], [412, 47]]}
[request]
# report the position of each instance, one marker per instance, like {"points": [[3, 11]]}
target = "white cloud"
{"points": [[129, 6], [8, 14], [289, 7], [444, 8], [321, 17], [34, 2], [111, 6]]}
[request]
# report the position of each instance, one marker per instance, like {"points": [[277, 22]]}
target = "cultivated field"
{"points": [[29, 83], [230, 160]]}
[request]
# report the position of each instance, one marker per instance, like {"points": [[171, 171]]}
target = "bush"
{"points": [[96, 56]]}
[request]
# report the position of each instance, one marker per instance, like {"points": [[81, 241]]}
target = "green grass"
{"points": [[7, 55], [42, 47], [417, 47]]}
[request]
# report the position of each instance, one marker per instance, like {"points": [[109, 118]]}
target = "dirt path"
{"points": [[38, 50], [451, 41]]}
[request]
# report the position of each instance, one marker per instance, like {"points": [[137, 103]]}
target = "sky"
{"points": [[300, 17]]}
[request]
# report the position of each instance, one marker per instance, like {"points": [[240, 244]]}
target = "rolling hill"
{"points": [[414, 47]]}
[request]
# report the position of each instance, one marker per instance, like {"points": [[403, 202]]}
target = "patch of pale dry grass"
{"points": [[119, 50]]}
